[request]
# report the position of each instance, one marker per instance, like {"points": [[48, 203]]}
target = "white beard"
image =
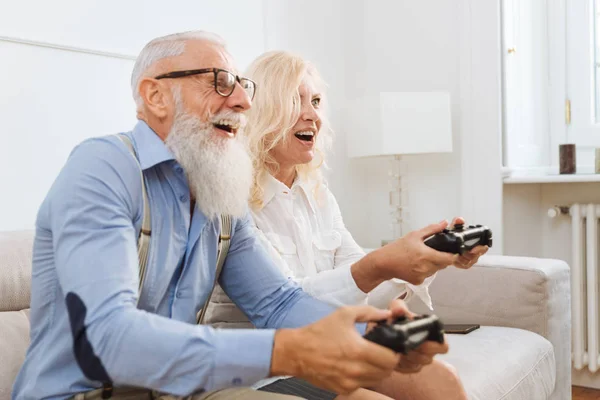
{"points": [[219, 170]]}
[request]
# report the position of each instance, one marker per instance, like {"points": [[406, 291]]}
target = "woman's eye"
{"points": [[316, 101]]}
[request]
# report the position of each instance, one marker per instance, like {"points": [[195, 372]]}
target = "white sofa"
{"points": [[522, 351]]}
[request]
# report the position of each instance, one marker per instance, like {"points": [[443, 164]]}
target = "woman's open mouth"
{"points": [[305, 136]]}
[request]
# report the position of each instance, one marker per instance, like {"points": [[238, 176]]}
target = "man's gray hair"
{"points": [[162, 47]]}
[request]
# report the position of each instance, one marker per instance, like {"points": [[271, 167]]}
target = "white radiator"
{"points": [[584, 283]]}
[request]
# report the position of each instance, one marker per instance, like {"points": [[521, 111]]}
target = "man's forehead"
{"points": [[205, 54]]}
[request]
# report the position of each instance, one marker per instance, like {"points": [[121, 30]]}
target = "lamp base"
{"points": [[397, 196]]}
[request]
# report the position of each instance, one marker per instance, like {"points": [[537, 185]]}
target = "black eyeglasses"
{"points": [[224, 80]]}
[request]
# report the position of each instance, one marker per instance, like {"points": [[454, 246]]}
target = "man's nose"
{"points": [[239, 100]]}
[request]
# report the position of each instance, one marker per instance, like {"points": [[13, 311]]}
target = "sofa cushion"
{"points": [[14, 339], [503, 363], [15, 270]]}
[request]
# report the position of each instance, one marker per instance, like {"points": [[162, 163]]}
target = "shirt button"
{"points": [[183, 197], [178, 294], [178, 169], [236, 381]]}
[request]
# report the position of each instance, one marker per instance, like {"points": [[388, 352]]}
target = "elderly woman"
{"points": [[300, 222]]}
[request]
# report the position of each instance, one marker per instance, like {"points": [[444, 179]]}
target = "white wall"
{"points": [[125, 26], [65, 77], [481, 111], [529, 230], [408, 48]]}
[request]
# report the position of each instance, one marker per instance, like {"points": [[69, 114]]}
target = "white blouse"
{"points": [[303, 229]]}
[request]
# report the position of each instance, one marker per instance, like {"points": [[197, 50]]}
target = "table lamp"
{"points": [[392, 124]]}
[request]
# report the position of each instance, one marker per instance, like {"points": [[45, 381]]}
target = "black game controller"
{"points": [[459, 239], [404, 335]]}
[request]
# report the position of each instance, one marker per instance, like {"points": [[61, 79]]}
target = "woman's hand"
{"points": [[407, 258], [410, 259], [470, 258]]}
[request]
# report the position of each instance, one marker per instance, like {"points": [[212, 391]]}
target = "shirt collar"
{"points": [[272, 187], [150, 147]]}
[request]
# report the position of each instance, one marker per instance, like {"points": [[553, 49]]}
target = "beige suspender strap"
{"points": [[146, 231], [222, 249]]}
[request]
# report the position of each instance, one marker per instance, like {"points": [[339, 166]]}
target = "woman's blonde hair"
{"points": [[274, 112]]}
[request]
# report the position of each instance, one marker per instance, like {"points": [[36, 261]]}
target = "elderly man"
{"points": [[103, 327]]}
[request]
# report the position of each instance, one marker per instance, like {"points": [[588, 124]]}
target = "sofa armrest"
{"points": [[519, 292], [15, 269]]}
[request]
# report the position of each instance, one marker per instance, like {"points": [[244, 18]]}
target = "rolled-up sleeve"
{"points": [[382, 295], [394, 288], [335, 286], [92, 214], [253, 281]]}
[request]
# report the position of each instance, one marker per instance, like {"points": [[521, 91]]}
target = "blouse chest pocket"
{"points": [[284, 245], [325, 245]]}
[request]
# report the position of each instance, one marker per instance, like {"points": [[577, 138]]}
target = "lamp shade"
{"points": [[396, 123]]}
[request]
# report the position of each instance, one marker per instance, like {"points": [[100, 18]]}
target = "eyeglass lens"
{"points": [[226, 84]]}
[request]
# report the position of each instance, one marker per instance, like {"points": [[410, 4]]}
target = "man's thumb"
{"points": [[399, 308], [433, 229], [367, 314]]}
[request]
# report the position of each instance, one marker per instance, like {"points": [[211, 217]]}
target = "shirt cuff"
{"points": [[422, 291], [387, 291], [243, 356], [336, 286]]}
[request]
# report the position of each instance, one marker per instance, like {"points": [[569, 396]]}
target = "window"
{"points": [[525, 84], [583, 83], [551, 82]]}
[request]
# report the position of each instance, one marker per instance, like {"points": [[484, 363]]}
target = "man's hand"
{"points": [[467, 260], [332, 354], [423, 355]]}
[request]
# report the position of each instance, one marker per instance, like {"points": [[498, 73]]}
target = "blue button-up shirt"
{"points": [[87, 326]]}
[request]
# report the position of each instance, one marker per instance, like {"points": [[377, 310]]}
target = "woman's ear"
{"points": [[154, 96]]}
